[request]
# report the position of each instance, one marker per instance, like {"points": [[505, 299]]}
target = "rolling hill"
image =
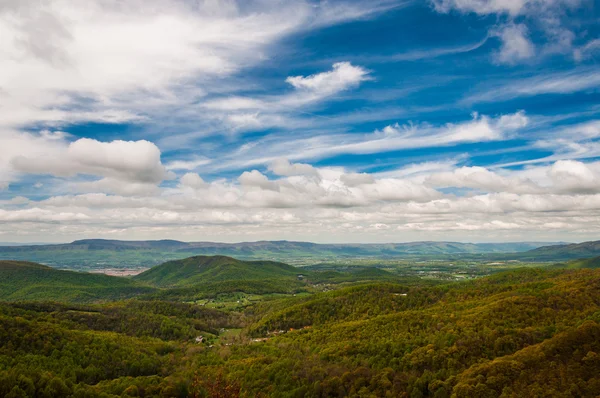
{"points": [[30, 281], [593, 262], [90, 254], [565, 252], [203, 270], [522, 333]]}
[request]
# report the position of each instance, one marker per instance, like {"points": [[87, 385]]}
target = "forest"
{"points": [[519, 333]]}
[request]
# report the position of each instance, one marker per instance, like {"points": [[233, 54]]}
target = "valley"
{"points": [[217, 326]]}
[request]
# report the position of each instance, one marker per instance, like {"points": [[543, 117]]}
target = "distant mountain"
{"points": [[21, 244], [30, 281], [203, 270], [90, 254], [289, 247], [566, 251], [102, 244]]}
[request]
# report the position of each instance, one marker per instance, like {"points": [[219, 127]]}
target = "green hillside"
{"points": [[593, 262], [203, 270], [31, 281], [515, 334], [585, 263], [524, 333], [566, 252]]}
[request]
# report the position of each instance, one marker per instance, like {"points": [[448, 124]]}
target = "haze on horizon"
{"points": [[321, 121]]}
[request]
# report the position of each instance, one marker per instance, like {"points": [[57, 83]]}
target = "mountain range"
{"points": [[285, 247], [94, 254]]}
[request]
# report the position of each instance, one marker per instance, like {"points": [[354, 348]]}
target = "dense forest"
{"points": [[528, 332]]}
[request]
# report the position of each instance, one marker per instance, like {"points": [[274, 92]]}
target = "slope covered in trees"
{"points": [[570, 251], [584, 263], [515, 334], [182, 280], [209, 269], [31, 281]]}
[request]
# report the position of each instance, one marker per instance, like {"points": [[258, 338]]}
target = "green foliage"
{"points": [[570, 251], [31, 281], [524, 333], [201, 270], [369, 341], [582, 263]]}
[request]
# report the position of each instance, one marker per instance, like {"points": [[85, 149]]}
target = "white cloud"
{"points": [[245, 113], [283, 167], [187, 164], [587, 50], [576, 80], [547, 16], [308, 89], [394, 137], [192, 180], [341, 77], [481, 7], [516, 46], [480, 178], [133, 161], [117, 186], [255, 178], [65, 61], [356, 179], [575, 177], [560, 197], [122, 166], [511, 7]]}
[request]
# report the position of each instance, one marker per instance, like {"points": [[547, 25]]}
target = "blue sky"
{"points": [[337, 121]]}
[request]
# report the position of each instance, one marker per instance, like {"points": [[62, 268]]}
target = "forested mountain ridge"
{"points": [[420, 247], [181, 280], [31, 281], [208, 269], [568, 251], [524, 333]]}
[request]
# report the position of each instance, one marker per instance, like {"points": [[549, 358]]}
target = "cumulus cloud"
{"points": [[117, 186], [343, 76], [562, 196], [255, 178], [480, 178], [574, 177], [133, 161], [356, 179], [283, 167], [192, 180], [123, 166]]}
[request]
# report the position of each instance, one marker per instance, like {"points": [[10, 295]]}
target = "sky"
{"points": [[322, 121]]}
